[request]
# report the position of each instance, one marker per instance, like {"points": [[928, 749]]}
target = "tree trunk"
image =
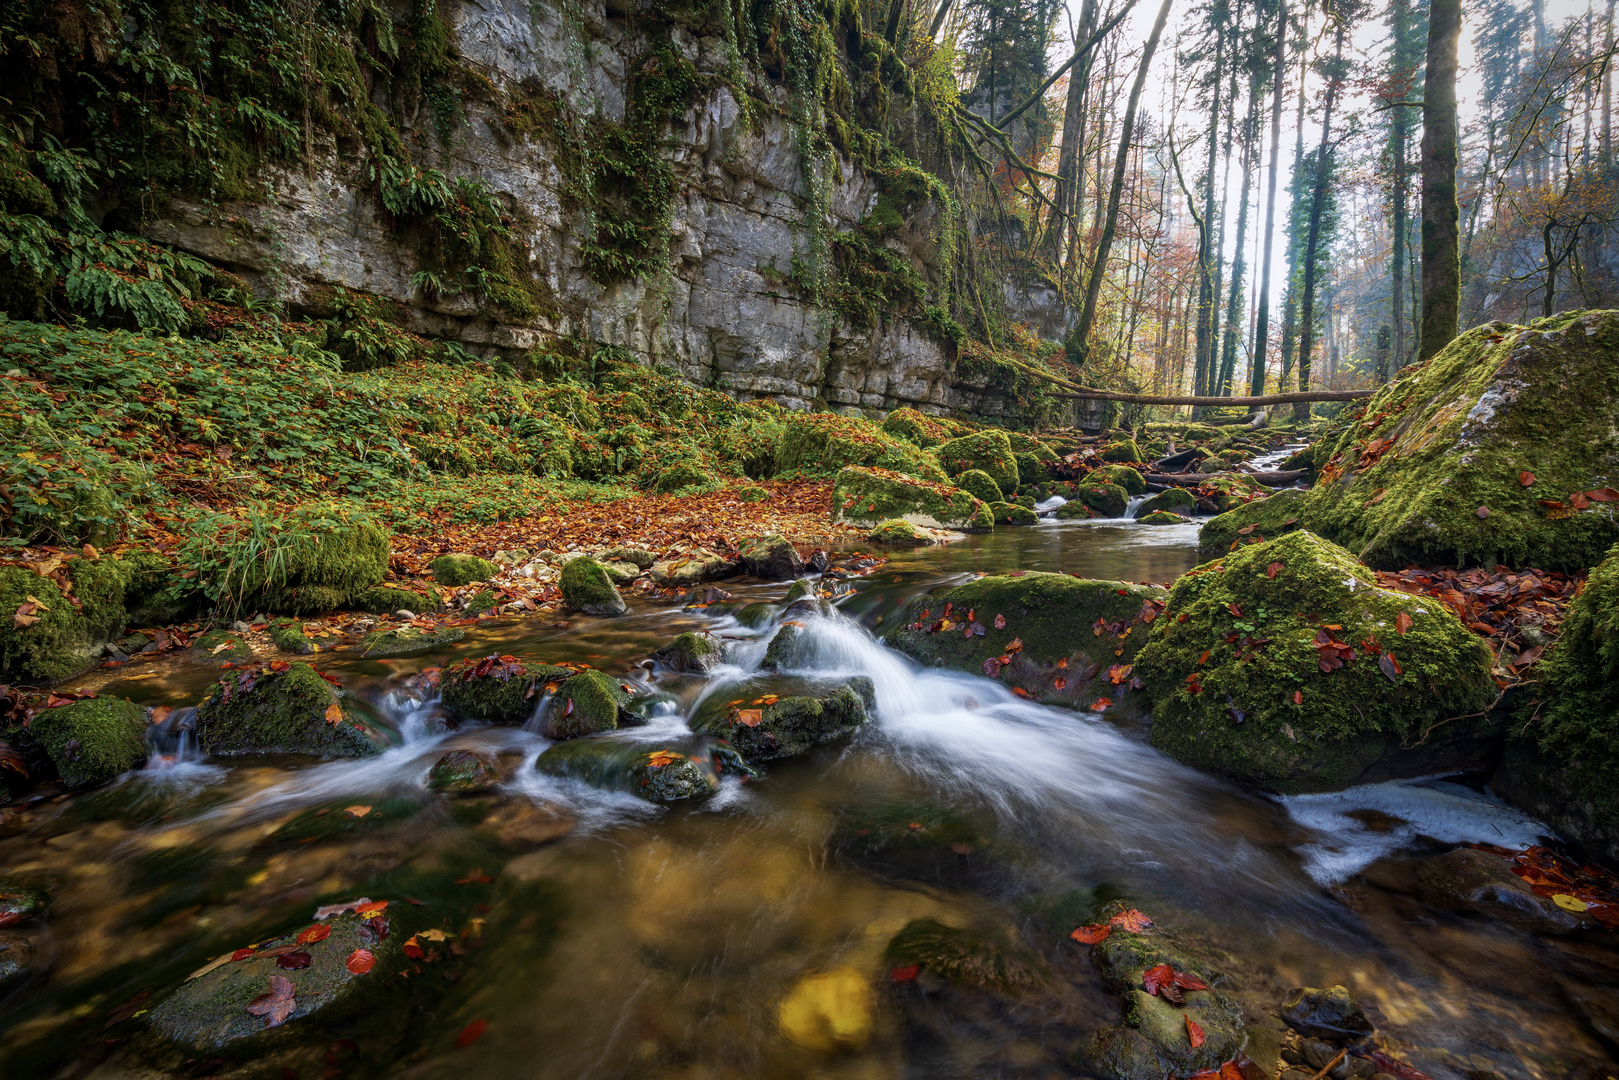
{"points": [[1239, 267], [1318, 199], [1206, 254], [1256, 384], [1441, 255], [1073, 136], [1080, 347]]}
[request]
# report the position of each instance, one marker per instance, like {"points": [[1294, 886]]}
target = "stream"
{"points": [[659, 941]]}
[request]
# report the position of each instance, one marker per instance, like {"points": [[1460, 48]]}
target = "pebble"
{"points": [[404, 613]]}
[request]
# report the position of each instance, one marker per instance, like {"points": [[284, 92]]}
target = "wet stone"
{"points": [[1332, 1014], [658, 772], [772, 558], [1484, 884], [690, 654], [770, 719], [16, 954], [20, 903], [402, 640], [463, 772]]}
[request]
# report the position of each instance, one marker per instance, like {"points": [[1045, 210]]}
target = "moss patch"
{"points": [[498, 689], [296, 711], [1013, 514], [897, 532], [94, 740], [401, 640], [1124, 476], [763, 729], [288, 636], [988, 451], [585, 704], [587, 588], [457, 570], [693, 654], [823, 443], [867, 497], [1124, 450], [1105, 500], [1239, 640], [916, 427], [980, 485], [1252, 523], [1177, 500], [53, 648]]}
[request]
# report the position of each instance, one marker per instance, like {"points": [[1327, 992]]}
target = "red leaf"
{"points": [[471, 1033], [1000, 622], [1118, 673], [1092, 935], [1603, 495], [1391, 667], [1059, 683], [1483, 512], [364, 910], [1527, 479], [1016, 646], [275, 1006], [311, 934], [1298, 697], [294, 960], [1402, 623], [1154, 979], [1273, 569], [905, 974], [1132, 920], [1234, 609], [1194, 1034], [1101, 704], [361, 961]]}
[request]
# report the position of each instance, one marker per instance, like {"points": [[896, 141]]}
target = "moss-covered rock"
{"points": [[479, 603], [771, 557], [995, 961], [663, 772], [1434, 471], [1161, 517], [1125, 476], [222, 645], [457, 570], [1252, 523], [498, 689], [587, 588], [752, 493], [1124, 450], [988, 451], [1031, 467], [866, 497], [979, 484], [325, 553], [386, 600], [1025, 501], [640, 558], [897, 532], [785, 651], [694, 568], [619, 572], [293, 711], [1564, 766], [915, 427], [1236, 672], [1060, 639], [403, 640], [914, 840], [769, 719], [1013, 514], [463, 772], [288, 636], [55, 646], [588, 703], [93, 740], [209, 1011], [1175, 500], [691, 654], [682, 474], [824, 443], [1106, 500]]}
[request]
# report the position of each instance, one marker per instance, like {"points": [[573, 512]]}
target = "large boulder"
{"points": [[691, 654], [989, 451], [658, 772], [587, 588], [915, 427], [498, 689], [284, 708], [780, 718], [978, 484], [1285, 666], [772, 558], [1055, 638], [1252, 523], [1498, 449], [1125, 476], [93, 740], [1564, 766], [585, 704], [1173, 500], [867, 497]]}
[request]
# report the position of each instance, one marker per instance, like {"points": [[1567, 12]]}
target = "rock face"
{"points": [[94, 740], [587, 588], [1061, 640], [294, 711], [728, 312], [1284, 665], [868, 497], [1483, 454]]}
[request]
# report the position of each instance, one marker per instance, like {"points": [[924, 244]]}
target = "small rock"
{"points": [[621, 572], [584, 704], [458, 570], [463, 772], [402, 613], [690, 654], [817, 561], [15, 955], [772, 558], [240, 627], [1332, 1014], [20, 903], [587, 587]]}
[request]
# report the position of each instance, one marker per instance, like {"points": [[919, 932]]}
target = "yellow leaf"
{"points": [[357, 811], [432, 935], [334, 714], [1569, 903]]}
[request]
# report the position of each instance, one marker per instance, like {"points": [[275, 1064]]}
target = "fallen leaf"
{"points": [[905, 974], [311, 934], [357, 811], [1059, 683], [1402, 623], [1092, 935], [1298, 697], [1234, 609], [277, 1005], [1132, 920], [659, 758], [1118, 673], [361, 961], [477, 877], [292, 961], [1000, 622], [334, 714], [749, 717], [1194, 1034], [1569, 903], [1101, 704], [1273, 569], [1391, 667], [1527, 479], [471, 1033]]}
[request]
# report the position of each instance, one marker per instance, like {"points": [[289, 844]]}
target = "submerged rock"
{"points": [[292, 711], [498, 689], [772, 558], [828, 1012], [1059, 639], [1252, 523], [1160, 517], [770, 719], [989, 961], [1331, 1014], [401, 640], [1478, 455], [662, 772], [463, 772], [458, 570], [585, 704], [862, 496], [16, 956], [915, 840], [691, 654], [93, 740], [989, 451], [587, 588], [1483, 884], [1284, 666], [21, 902]]}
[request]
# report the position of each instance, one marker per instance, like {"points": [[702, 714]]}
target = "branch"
{"points": [[1267, 399], [1072, 60]]}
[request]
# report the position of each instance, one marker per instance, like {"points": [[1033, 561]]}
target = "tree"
{"points": [[1318, 201], [1262, 328], [1441, 249]]}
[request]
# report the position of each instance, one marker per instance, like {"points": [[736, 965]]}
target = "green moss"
{"points": [[752, 494], [660, 773], [1160, 517], [682, 474], [94, 740], [385, 600], [992, 961], [1124, 476], [897, 532], [1123, 451], [1265, 519], [586, 587], [823, 443], [694, 654], [867, 497], [980, 485], [790, 725], [313, 558], [1226, 704], [457, 570], [1174, 499], [1013, 514], [506, 691], [1497, 402], [463, 772], [219, 646], [401, 640], [284, 712], [288, 636], [1068, 629], [989, 451], [783, 652], [1105, 500], [52, 649], [585, 704], [915, 427]]}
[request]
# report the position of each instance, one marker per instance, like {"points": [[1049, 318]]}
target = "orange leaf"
{"points": [[1060, 683], [1402, 623], [357, 811], [471, 1033], [1133, 920], [750, 717], [1101, 704], [361, 961], [371, 909], [334, 713], [318, 932], [1526, 478], [1298, 697], [659, 758], [1092, 935], [1194, 1034], [1273, 569]]}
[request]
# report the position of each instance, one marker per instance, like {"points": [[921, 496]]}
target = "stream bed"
{"points": [[566, 931]]}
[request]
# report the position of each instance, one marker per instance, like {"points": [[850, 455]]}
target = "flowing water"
{"points": [[661, 941]]}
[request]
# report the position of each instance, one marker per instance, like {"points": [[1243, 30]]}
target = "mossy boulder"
{"points": [[786, 649], [752, 493], [915, 427], [1564, 765], [824, 443], [1237, 672], [479, 603], [620, 573], [769, 719], [984, 959], [897, 532], [457, 570], [1060, 639], [980, 485], [463, 772], [220, 645], [93, 740], [288, 636], [587, 588], [1125, 476], [585, 704], [691, 654], [1252, 523], [403, 640], [1124, 450], [1105, 500], [771, 557], [209, 1011], [324, 555], [62, 639], [658, 772], [290, 711], [386, 600], [1176, 500], [1477, 456], [866, 497], [1031, 467], [1012, 514], [988, 451], [682, 474], [1161, 517], [498, 689]]}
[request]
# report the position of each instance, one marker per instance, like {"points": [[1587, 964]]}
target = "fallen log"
{"points": [[1269, 479], [1167, 399]]}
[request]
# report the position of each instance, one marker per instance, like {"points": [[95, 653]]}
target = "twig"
{"points": [[1329, 1066]]}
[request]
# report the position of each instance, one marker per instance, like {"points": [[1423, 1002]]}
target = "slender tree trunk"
{"points": [[1290, 301], [1239, 267], [1073, 137], [1318, 200], [1441, 257], [1206, 255], [1607, 89], [1079, 347], [1256, 385]]}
